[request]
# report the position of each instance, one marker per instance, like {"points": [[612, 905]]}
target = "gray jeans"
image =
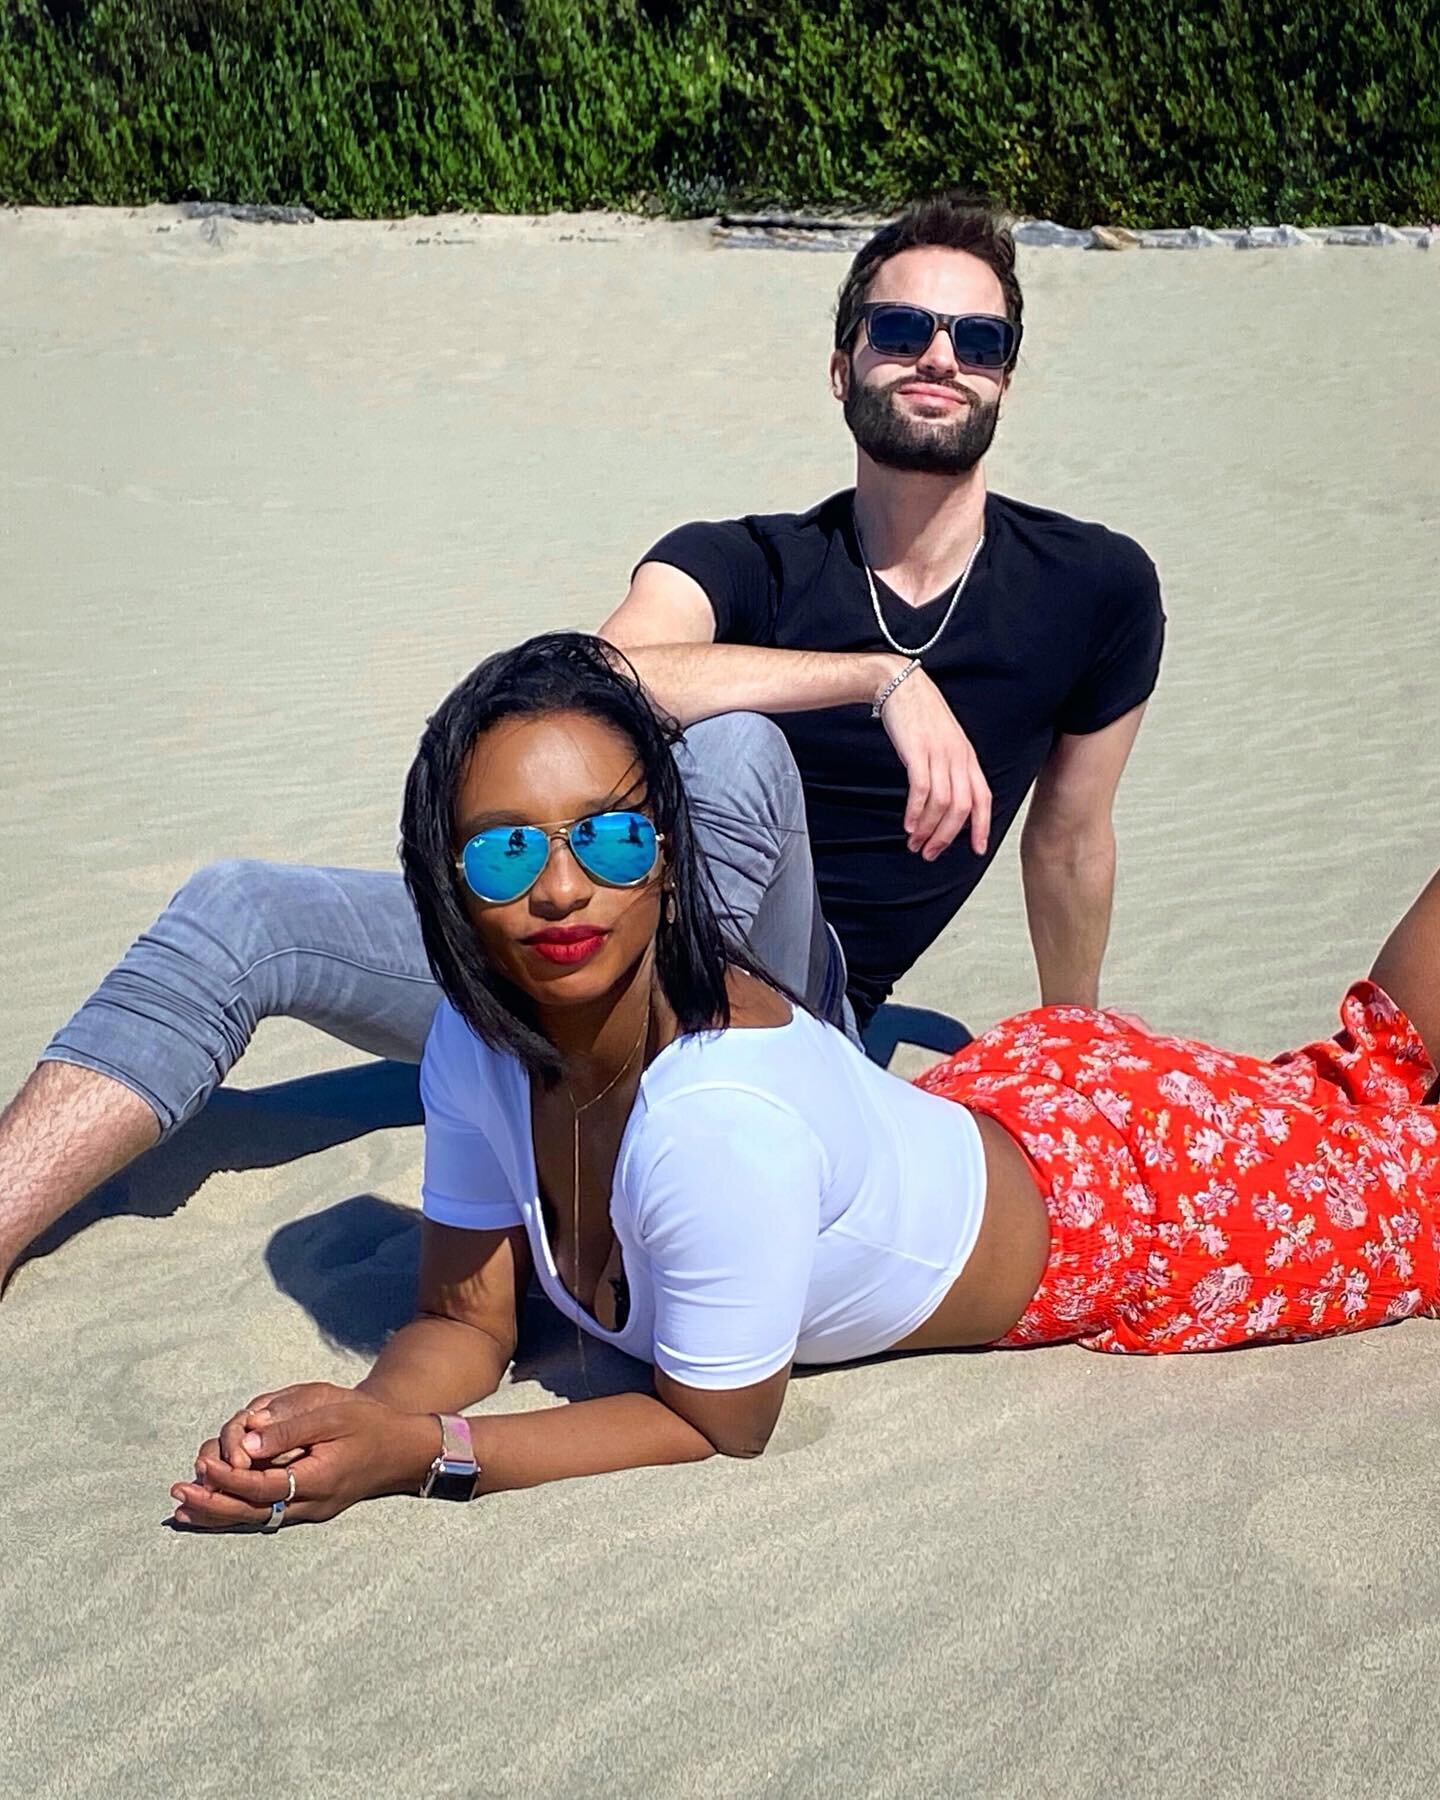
{"points": [[340, 948]]}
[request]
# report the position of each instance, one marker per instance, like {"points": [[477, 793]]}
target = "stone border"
{"points": [[246, 214], [800, 231]]}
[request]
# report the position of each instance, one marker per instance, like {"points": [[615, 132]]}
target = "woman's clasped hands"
{"points": [[302, 1454]]}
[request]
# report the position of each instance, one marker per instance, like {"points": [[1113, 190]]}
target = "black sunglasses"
{"points": [[980, 340]]}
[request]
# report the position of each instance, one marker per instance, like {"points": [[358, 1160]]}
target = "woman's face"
{"points": [[570, 939]]}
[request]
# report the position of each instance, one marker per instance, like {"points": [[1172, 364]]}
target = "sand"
{"points": [[264, 492]]}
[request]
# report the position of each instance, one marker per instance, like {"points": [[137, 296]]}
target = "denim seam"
{"points": [[331, 956]]}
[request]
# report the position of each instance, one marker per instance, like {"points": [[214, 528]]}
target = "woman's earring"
{"points": [[670, 907]]}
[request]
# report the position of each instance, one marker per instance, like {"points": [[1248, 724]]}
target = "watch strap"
{"points": [[454, 1473]]}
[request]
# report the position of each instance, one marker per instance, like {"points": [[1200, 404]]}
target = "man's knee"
{"points": [[743, 760], [232, 881], [237, 902]]}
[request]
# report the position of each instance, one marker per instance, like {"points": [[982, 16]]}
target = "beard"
{"points": [[922, 446]]}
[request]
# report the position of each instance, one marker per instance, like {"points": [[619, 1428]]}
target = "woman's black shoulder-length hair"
{"points": [[561, 671]]}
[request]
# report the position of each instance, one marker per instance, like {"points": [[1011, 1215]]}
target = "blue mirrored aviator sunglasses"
{"points": [[980, 340], [618, 849]]}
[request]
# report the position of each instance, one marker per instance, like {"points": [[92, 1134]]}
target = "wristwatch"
{"points": [[454, 1474]]}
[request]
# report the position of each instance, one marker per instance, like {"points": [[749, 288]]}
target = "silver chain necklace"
{"points": [[939, 631]]}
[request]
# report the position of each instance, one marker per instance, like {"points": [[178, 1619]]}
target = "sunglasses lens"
{"points": [[503, 861], [982, 342], [899, 330], [618, 848]]}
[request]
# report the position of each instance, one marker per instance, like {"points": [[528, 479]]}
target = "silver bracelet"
{"points": [[891, 685]]}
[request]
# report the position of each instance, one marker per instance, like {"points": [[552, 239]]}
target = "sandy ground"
{"points": [[264, 492]]}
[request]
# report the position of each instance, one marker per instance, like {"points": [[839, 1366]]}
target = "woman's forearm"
{"points": [[590, 1437], [373, 1449], [436, 1365]]}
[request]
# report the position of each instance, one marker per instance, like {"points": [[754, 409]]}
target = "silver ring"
{"points": [[277, 1516], [290, 1490]]}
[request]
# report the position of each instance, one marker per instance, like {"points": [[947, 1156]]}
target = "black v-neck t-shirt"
{"points": [[1059, 630]]}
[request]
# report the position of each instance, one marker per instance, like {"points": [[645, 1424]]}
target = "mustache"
{"points": [[950, 387]]}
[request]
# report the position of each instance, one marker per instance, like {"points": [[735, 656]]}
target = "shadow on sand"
{"points": [[256, 1128], [353, 1266]]}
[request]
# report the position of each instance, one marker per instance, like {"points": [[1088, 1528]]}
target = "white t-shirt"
{"points": [[776, 1196]]}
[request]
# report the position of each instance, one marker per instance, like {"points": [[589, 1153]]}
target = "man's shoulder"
{"points": [[826, 516], [1084, 545], [774, 532]]}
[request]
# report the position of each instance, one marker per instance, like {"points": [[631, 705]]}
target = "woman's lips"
{"points": [[567, 946]]}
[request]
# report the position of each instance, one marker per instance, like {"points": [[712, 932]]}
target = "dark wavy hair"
{"points": [[951, 221], [561, 671]]}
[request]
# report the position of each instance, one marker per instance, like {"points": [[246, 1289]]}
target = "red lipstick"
{"points": [[568, 944]]}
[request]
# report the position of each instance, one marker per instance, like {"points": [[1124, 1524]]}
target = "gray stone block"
{"points": [[1365, 235], [1046, 234], [864, 223], [1193, 237], [1273, 237], [246, 213]]}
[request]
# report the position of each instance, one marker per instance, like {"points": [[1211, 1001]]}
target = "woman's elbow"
{"points": [[739, 1443], [743, 1445], [742, 1452], [737, 1423]]}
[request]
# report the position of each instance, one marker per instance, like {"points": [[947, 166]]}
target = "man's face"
{"points": [[931, 414]]}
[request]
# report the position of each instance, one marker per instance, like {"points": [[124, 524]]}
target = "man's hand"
{"points": [[947, 786]]}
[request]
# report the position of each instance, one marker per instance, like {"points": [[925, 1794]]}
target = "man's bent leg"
{"points": [[748, 807], [341, 949], [66, 1131], [244, 941], [241, 941]]}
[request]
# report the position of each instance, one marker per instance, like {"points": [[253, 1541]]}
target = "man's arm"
{"points": [[1067, 859], [666, 627]]}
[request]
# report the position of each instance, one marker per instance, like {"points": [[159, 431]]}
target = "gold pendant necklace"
{"points": [[579, 1113]]}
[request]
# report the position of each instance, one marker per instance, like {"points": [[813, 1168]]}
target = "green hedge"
{"points": [[1128, 112]]}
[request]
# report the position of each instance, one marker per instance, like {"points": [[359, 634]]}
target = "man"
{"points": [[994, 645]]}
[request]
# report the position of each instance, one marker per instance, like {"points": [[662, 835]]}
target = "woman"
{"points": [[707, 1177]]}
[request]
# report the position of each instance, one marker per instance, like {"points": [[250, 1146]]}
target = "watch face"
{"points": [[454, 1481]]}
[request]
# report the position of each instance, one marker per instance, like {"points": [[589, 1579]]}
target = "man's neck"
{"points": [[918, 530]]}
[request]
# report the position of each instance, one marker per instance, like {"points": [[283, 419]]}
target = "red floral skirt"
{"points": [[1199, 1199]]}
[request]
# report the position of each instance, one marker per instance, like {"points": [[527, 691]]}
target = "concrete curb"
{"points": [[802, 231]]}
